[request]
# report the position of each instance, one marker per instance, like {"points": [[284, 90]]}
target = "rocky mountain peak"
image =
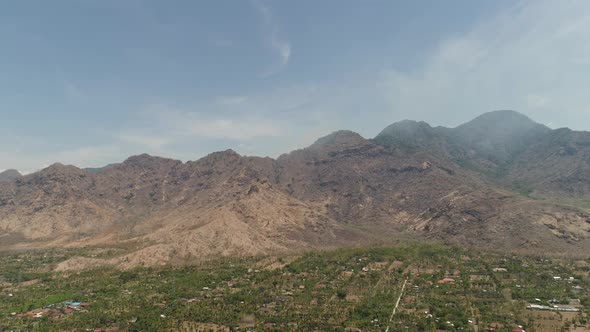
{"points": [[60, 170], [341, 138], [496, 123], [10, 175], [226, 156], [499, 135], [407, 131], [414, 136], [66, 175], [146, 160], [486, 183], [407, 126]]}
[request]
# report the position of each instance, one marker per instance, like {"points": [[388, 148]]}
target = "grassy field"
{"points": [[447, 289]]}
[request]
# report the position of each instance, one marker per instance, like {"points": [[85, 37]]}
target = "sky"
{"points": [[91, 82]]}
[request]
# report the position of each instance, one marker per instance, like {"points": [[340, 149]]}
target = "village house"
{"points": [[494, 327], [447, 280]]}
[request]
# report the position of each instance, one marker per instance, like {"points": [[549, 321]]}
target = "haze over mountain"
{"points": [[500, 181], [115, 78]]}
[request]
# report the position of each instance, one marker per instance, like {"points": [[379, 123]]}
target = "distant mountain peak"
{"points": [[406, 127], [499, 135], [56, 172], [11, 172], [476, 184], [220, 157], [10, 175], [145, 159], [512, 113], [410, 135], [505, 118], [223, 154], [340, 137], [59, 168]]}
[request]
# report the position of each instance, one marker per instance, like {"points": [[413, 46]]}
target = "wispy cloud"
{"points": [[279, 45], [282, 48]]}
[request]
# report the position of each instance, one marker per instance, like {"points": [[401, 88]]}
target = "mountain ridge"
{"points": [[496, 189]]}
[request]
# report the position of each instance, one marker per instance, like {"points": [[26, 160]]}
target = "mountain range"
{"points": [[500, 181]]}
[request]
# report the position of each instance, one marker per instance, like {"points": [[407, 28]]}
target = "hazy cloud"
{"points": [[230, 128], [282, 48], [536, 101], [170, 125], [531, 58]]}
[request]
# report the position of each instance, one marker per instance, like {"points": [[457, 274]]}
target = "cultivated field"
{"points": [[447, 289]]}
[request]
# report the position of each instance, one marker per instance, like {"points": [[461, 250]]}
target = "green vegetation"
{"points": [[523, 188], [447, 289]]}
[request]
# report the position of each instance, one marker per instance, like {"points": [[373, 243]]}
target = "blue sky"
{"points": [[91, 82]]}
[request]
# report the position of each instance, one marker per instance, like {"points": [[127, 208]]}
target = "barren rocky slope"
{"points": [[463, 185], [365, 183]]}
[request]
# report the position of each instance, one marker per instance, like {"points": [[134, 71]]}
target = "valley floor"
{"points": [[432, 288]]}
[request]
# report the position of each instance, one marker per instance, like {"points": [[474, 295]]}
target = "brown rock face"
{"points": [[412, 181]]}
